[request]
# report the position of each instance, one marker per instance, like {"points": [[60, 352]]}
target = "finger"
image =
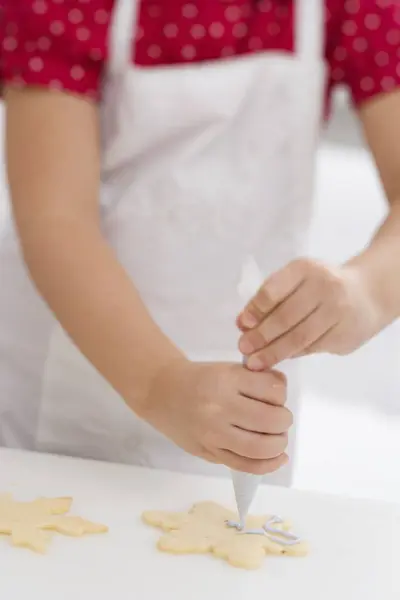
{"points": [[284, 317], [274, 291], [257, 446], [269, 386], [295, 341], [321, 345], [259, 417], [246, 465]]}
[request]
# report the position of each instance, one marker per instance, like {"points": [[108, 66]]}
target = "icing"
{"points": [[279, 536]]}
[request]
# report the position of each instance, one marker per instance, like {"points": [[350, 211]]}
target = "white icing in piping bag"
{"points": [[245, 486]]}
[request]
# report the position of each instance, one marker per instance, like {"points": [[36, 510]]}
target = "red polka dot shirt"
{"points": [[63, 44]]}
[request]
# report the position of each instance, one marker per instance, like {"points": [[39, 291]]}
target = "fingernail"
{"points": [[256, 363], [246, 346], [248, 320]]}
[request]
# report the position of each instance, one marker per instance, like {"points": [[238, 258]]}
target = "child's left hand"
{"points": [[304, 308]]}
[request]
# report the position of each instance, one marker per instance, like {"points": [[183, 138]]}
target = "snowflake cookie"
{"points": [[207, 528], [29, 523]]}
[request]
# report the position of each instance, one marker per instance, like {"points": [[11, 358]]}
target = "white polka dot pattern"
{"points": [[188, 52], [189, 11], [197, 31], [171, 30], [62, 44]]}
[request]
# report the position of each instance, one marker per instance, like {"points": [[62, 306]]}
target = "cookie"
{"points": [[29, 524], [207, 528]]}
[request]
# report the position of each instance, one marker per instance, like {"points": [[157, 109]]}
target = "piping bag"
{"points": [[245, 486]]}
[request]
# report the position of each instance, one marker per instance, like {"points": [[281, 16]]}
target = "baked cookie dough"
{"points": [[210, 528], [29, 524]]}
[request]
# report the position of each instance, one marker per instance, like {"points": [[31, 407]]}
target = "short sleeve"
{"points": [[364, 48], [60, 44]]}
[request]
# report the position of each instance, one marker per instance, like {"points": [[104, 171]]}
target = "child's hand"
{"points": [[305, 308], [223, 413]]}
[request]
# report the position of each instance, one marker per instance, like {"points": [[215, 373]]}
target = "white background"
{"points": [[350, 421]]}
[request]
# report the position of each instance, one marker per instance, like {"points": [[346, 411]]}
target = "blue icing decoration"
{"points": [[284, 538]]}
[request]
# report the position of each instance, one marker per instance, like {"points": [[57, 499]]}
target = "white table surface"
{"points": [[355, 554]]}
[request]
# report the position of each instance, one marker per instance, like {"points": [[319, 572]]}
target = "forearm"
{"points": [[53, 168], [379, 265], [96, 303], [380, 262]]}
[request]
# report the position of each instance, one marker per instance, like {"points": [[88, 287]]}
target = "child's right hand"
{"points": [[223, 413]]}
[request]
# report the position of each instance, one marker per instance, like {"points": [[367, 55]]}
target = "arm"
{"points": [[380, 262], [53, 170], [352, 303], [309, 306]]}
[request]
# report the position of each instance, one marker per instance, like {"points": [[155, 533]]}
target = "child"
{"points": [[121, 304]]}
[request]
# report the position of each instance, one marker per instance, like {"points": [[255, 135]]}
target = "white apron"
{"points": [[208, 173]]}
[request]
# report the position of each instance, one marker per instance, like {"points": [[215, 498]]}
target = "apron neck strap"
{"points": [[123, 28], [309, 31]]}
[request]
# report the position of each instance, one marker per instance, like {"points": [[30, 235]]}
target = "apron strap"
{"points": [[123, 27], [309, 29]]}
